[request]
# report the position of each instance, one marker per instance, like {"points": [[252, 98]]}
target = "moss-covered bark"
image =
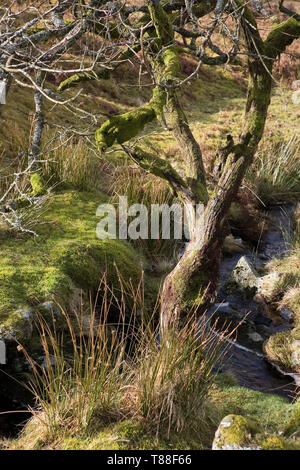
{"points": [[162, 168], [193, 172], [167, 67], [164, 57], [124, 127], [193, 282]]}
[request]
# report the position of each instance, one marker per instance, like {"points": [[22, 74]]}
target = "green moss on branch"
{"points": [[79, 77], [281, 36], [37, 184], [124, 127], [161, 22], [98, 73], [171, 63]]}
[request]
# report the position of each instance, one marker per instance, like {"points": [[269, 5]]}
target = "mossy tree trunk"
{"points": [[193, 282], [192, 285]]}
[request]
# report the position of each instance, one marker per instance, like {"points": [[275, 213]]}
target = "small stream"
{"points": [[245, 359]]}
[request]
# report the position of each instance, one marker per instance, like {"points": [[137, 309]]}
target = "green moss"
{"points": [[98, 73], [235, 430], [124, 127], [55, 283], [279, 443], [66, 256], [37, 184], [130, 434], [85, 263], [270, 411], [161, 22], [281, 36], [293, 426], [79, 77], [171, 62]]}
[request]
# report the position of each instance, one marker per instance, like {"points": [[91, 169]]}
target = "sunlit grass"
{"points": [[275, 173], [97, 373]]}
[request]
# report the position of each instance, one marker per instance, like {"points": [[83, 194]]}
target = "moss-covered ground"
{"points": [[65, 258]]}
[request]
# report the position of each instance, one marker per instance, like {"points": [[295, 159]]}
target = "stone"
{"points": [[226, 309], [243, 277], [296, 97], [51, 308], [286, 314], [254, 336], [295, 85], [266, 284], [235, 433], [295, 356], [2, 92], [267, 309], [48, 362], [25, 324]]}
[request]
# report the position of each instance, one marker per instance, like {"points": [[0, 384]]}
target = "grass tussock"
{"points": [[98, 374], [275, 173], [76, 164], [171, 379], [81, 372], [278, 349], [141, 187]]}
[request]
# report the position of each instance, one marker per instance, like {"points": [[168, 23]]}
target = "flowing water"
{"points": [[245, 359]]}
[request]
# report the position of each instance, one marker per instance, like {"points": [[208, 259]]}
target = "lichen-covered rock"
{"points": [[295, 356], [295, 85], [235, 433], [266, 284], [19, 326], [243, 278], [256, 337], [25, 325], [52, 308]]}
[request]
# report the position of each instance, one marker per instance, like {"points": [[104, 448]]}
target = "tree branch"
{"points": [[163, 169], [124, 127], [288, 12]]}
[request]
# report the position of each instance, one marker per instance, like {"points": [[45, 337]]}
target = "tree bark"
{"points": [[191, 286], [193, 282]]}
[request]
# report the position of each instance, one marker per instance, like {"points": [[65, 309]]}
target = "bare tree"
{"points": [[34, 42]]}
